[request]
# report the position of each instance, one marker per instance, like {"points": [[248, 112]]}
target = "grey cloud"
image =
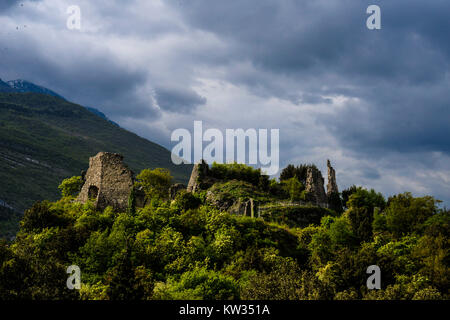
{"points": [[178, 99], [399, 74], [97, 79], [395, 80], [7, 4]]}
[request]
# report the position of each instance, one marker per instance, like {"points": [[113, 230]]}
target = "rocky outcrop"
{"points": [[333, 197], [108, 182], [199, 173], [331, 185], [315, 187]]}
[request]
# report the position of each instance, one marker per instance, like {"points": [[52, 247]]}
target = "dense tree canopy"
{"points": [[189, 249]]}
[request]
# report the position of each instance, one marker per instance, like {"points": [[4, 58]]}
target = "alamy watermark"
{"points": [[235, 149], [374, 281], [74, 280], [74, 20], [373, 22]]}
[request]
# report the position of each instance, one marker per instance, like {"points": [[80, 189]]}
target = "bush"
{"points": [[186, 200], [407, 214], [70, 187], [41, 216], [240, 172], [296, 216], [199, 283], [156, 183]]}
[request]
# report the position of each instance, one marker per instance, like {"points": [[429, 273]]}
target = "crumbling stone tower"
{"points": [[331, 186], [199, 172], [315, 187], [108, 182], [333, 198]]}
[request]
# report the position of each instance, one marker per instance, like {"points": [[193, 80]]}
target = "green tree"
{"points": [[132, 202], [186, 200], [156, 182], [294, 188], [300, 171], [70, 187], [41, 216], [199, 283], [347, 193], [406, 214], [362, 204]]}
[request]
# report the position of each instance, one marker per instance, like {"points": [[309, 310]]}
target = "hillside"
{"points": [[44, 139], [213, 243]]}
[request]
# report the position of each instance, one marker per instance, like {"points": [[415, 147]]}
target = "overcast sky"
{"points": [[375, 102]]}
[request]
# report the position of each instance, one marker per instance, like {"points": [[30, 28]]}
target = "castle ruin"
{"points": [[316, 190], [315, 187], [331, 186], [108, 182], [199, 172]]}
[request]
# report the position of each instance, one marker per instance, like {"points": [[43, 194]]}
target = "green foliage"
{"points": [[70, 187], [9, 222], [406, 214], [281, 282], [278, 189], [340, 231], [362, 198], [156, 182], [189, 249], [335, 202], [242, 172], [347, 193], [41, 216], [292, 171], [362, 205], [132, 202], [294, 216], [186, 200], [198, 284], [224, 194], [294, 188]]}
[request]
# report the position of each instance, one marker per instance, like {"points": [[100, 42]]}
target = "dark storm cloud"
{"points": [[376, 99], [399, 74], [96, 80], [400, 119], [178, 99], [6, 4]]}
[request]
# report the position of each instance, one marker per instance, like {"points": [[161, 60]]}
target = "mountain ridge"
{"points": [[44, 139], [24, 86]]}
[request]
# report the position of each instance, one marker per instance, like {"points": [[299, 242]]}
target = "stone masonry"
{"points": [[333, 198], [315, 187], [331, 186], [108, 182], [199, 172]]}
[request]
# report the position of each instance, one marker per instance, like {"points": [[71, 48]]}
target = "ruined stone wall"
{"points": [[315, 187], [333, 197], [199, 172], [108, 182], [331, 186]]}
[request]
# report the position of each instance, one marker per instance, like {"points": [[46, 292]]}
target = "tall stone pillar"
{"points": [[333, 197], [315, 187]]}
